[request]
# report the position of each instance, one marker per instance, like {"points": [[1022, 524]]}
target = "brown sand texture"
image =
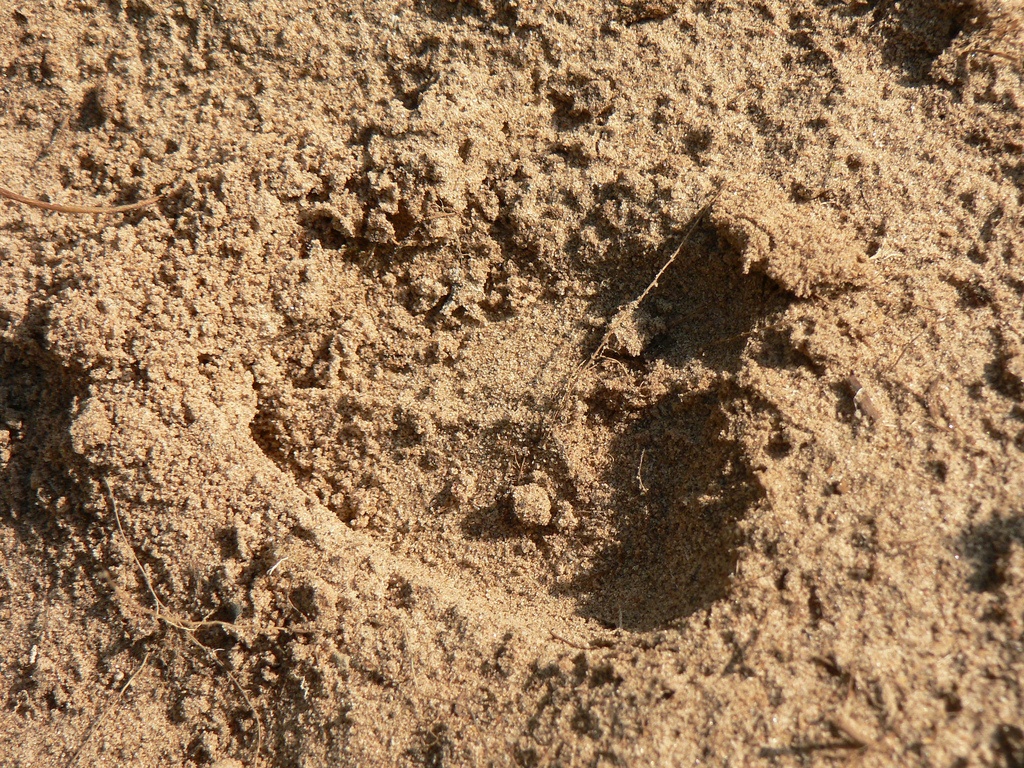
{"points": [[512, 383]]}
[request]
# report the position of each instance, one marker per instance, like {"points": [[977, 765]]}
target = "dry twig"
{"points": [[631, 306], [97, 209], [626, 310]]}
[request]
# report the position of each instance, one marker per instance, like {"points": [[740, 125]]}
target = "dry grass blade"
{"points": [[78, 209]]}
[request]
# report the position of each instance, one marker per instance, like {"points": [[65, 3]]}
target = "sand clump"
{"points": [[531, 505], [574, 384]]}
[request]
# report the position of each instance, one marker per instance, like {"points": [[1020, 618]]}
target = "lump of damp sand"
{"points": [[531, 505]]}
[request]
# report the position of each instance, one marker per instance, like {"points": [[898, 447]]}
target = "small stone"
{"points": [[531, 505]]}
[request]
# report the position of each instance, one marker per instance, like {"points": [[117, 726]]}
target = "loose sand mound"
{"points": [[422, 464]]}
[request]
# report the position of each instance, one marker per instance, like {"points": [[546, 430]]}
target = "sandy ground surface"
{"points": [[376, 441]]}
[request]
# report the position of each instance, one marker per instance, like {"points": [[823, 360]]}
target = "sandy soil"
{"points": [[378, 440]]}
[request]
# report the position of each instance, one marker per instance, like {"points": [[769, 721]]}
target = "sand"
{"points": [[512, 383]]}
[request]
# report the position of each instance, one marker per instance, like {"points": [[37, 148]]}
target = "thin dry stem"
{"points": [[570, 643], [238, 686], [79, 209], [632, 305]]}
